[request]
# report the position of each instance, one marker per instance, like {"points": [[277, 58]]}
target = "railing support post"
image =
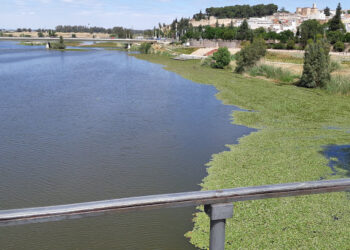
{"points": [[218, 213]]}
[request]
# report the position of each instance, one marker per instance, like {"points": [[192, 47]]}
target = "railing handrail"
{"points": [[51, 213]]}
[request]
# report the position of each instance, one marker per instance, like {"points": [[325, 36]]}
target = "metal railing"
{"points": [[218, 204]]}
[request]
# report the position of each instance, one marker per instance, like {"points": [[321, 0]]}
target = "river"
{"points": [[95, 125]]}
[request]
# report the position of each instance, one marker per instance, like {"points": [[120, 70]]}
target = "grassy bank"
{"points": [[293, 130]]}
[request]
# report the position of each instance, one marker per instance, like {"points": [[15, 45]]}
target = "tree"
{"points": [[243, 32], [316, 71], [286, 35], [309, 30], [222, 58], [250, 54], [291, 44], [347, 38], [335, 36], [40, 34], [327, 11], [335, 23]]}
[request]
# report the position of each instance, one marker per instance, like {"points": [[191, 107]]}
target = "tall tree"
{"points": [[243, 32], [327, 11], [335, 23], [316, 71]]}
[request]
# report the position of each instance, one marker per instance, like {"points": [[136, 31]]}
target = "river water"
{"points": [[87, 126]]}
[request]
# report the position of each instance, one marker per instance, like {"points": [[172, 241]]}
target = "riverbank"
{"points": [[294, 127]]}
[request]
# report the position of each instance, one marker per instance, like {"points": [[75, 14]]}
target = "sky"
{"points": [[134, 14]]}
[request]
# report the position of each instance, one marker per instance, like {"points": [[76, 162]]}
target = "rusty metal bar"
{"points": [[53, 213]]}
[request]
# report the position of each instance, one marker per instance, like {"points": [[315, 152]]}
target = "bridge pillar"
{"points": [[218, 214]]}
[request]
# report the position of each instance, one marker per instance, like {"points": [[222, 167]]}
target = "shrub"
{"points": [[40, 34], [339, 46], [316, 65], [290, 44], [145, 48], [250, 54], [279, 46], [272, 72], [74, 36], [59, 45], [221, 58]]}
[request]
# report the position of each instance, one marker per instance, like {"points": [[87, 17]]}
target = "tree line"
{"points": [[238, 11]]}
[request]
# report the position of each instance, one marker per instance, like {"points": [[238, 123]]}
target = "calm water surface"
{"points": [[86, 126]]}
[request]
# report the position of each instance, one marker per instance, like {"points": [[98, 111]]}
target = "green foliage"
{"points": [[272, 72], [339, 46], [60, 45], [309, 30], [145, 48], [74, 35], [242, 11], [333, 66], [287, 147], [250, 55], [52, 33], [221, 58], [291, 44], [40, 34], [335, 36], [335, 23], [327, 11], [279, 46], [316, 65], [285, 36], [347, 38], [339, 85], [244, 32]]}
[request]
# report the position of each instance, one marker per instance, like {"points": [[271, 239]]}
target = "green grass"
{"points": [[32, 43], [288, 147], [339, 85], [284, 58], [277, 73], [186, 51]]}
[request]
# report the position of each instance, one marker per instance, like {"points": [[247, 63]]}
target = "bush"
{"points": [[145, 48], [339, 46], [221, 58], [40, 34], [250, 55], [339, 85], [59, 45], [74, 36], [290, 44], [272, 72], [279, 46], [316, 72]]}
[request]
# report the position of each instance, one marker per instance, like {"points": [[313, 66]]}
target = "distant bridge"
{"points": [[55, 39]]}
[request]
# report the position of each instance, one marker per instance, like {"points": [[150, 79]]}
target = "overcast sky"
{"points": [[137, 14]]}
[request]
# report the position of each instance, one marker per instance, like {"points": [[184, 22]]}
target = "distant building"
{"points": [[278, 22]]}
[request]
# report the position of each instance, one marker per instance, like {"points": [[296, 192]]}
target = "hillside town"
{"points": [[278, 22]]}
